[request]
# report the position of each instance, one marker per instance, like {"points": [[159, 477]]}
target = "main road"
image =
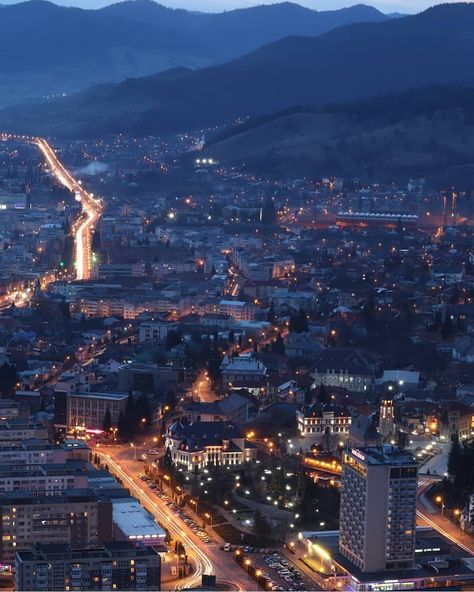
{"points": [[91, 206], [91, 210], [429, 516], [205, 559]]}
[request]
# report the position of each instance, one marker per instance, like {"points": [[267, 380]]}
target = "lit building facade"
{"points": [[378, 508], [113, 566]]}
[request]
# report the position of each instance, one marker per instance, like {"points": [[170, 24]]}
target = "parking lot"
{"points": [[274, 570]]}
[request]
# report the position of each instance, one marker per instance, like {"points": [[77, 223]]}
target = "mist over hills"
{"points": [[47, 49], [351, 62]]}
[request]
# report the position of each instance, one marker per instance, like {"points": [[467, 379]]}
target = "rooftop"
{"points": [[134, 521], [384, 455]]}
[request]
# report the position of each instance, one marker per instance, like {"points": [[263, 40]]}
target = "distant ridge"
{"points": [[351, 62], [47, 49]]}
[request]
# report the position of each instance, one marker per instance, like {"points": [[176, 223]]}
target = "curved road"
{"points": [[428, 515], [206, 559], [91, 210], [91, 206]]}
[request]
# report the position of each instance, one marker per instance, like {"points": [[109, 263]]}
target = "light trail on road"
{"points": [[454, 534], [91, 209], [203, 564], [91, 206]]}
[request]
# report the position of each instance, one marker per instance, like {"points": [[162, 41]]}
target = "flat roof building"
{"points": [[378, 508], [131, 522], [78, 517], [113, 566], [88, 410]]}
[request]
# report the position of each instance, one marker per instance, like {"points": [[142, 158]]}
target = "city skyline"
{"points": [[236, 297]]}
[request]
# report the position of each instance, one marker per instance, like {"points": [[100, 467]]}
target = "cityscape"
{"points": [[236, 299]]}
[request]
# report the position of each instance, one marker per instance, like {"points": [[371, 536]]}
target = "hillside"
{"points": [[348, 63], [235, 32], [428, 132], [47, 49]]}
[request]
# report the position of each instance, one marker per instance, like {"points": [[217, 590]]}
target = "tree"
{"points": [[299, 322], [143, 412], [96, 241], [261, 528], [8, 379], [268, 214], [130, 419], [278, 346], [168, 459], [64, 308], [107, 422], [455, 458], [447, 328], [122, 426], [271, 315], [368, 310], [173, 338], [278, 482], [322, 395]]}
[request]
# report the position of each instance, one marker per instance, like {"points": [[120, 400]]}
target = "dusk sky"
{"points": [[407, 6]]}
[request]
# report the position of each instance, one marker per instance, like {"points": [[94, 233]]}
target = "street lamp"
{"points": [[134, 450], [195, 504], [440, 500]]}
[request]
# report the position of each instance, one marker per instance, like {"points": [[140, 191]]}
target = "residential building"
{"points": [[136, 376], [112, 566], [78, 518], [155, 331], [237, 309], [19, 429], [42, 479], [243, 370]]}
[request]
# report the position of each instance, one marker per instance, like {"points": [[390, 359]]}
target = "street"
{"points": [[206, 559], [91, 211], [430, 516]]}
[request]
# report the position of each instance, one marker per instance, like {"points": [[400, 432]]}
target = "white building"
{"points": [[131, 522], [318, 419], [156, 331], [237, 309], [193, 446]]}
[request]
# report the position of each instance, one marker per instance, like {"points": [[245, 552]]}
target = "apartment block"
{"points": [[79, 518], [113, 566]]}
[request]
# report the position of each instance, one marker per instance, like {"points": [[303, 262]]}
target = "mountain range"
{"points": [[351, 62], [47, 49]]}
